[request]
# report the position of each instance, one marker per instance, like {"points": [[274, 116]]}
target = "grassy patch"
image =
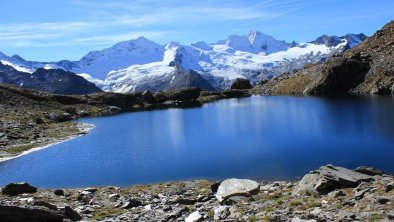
{"points": [[210, 214], [294, 203], [313, 204], [20, 149], [207, 99], [100, 215], [375, 217]]}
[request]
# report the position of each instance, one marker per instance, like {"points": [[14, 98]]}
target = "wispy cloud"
{"points": [[111, 21]]}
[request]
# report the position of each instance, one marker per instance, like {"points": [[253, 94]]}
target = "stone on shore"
{"points": [[221, 213], [329, 178], [194, 217], [13, 189], [131, 203], [236, 187]]}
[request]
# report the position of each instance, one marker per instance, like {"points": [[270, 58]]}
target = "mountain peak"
{"points": [[202, 45], [333, 40], [18, 58], [172, 44]]}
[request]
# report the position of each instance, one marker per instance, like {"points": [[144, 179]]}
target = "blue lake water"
{"points": [[261, 137]]}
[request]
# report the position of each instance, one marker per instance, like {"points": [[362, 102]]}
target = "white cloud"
{"points": [[111, 21]]}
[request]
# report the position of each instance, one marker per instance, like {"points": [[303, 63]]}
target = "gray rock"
{"points": [[65, 117], [221, 213], [59, 192], [177, 213], [131, 203], [369, 171], [18, 188], [185, 201], [337, 193], [360, 194], [45, 204], [316, 211], [237, 187], [113, 109], [390, 214], [114, 196], [22, 214], [389, 187], [297, 219], [329, 178], [90, 189], [194, 217], [345, 216], [71, 214], [383, 200]]}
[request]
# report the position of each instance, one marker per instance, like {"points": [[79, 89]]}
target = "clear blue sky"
{"points": [[50, 30]]}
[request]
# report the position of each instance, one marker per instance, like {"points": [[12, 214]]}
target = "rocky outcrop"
{"points": [[236, 187], [184, 94], [241, 84], [366, 68], [18, 188], [338, 75], [329, 178]]}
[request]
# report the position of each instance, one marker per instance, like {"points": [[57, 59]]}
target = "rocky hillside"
{"points": [[329, 193], [367, 68], [49, 80]]}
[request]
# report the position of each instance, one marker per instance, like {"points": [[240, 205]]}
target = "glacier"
{"points": [[141, 64]]}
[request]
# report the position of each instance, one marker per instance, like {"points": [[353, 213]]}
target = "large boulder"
{"points": [[329, 178], [241, 84], [36, 214], [236, 187], [13, 189], [187, 94]]}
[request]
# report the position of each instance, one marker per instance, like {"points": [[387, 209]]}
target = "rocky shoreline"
{"points": [[329, 193]]}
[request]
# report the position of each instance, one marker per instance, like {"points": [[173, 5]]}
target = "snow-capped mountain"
{"points": [[120, 56], [141, 64], [56, 81]]}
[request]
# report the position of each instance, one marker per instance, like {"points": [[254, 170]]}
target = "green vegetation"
{"points": [[295, 203], [19, 149], [375, 217]]}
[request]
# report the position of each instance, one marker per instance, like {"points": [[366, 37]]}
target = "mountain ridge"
{"points": [[364, 69], [255, 56]]}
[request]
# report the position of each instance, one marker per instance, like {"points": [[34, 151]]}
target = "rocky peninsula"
{"points": [[30, 119]]}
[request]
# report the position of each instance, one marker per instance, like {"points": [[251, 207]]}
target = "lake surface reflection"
{"points": [[261, 137]]}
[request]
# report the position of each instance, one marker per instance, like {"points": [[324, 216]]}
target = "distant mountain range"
{"points": [[142, 64]]}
